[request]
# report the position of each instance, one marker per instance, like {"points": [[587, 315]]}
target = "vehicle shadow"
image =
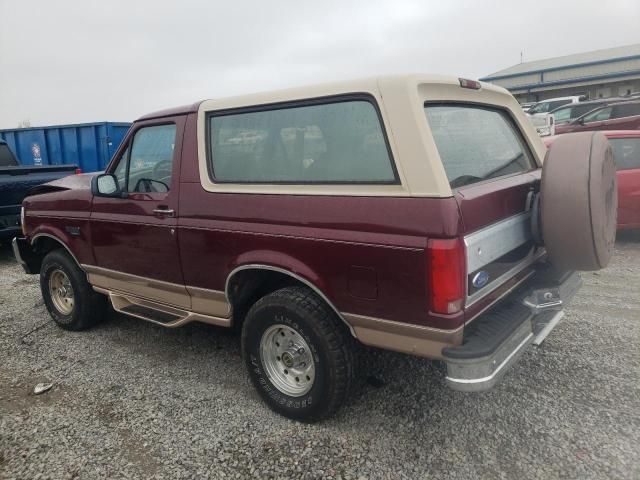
{"points": [[6, 254], [628, 236], [380, 385]]}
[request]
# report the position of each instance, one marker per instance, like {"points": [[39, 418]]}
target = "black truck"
{"points": [[15, 181]]}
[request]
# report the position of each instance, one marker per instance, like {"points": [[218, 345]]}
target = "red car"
{"points": [[625, 115], [626, 153]]}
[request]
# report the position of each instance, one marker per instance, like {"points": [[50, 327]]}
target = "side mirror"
{"points": [[580, 121], [106, 185]]}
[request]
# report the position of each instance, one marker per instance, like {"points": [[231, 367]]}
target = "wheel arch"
{"points": [[44, 243], [293, 279]]}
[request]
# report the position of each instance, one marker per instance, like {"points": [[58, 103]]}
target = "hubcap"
{"points": [[61, 292], [287, 360]]}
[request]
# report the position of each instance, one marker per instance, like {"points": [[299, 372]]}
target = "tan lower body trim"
{"points": [[163, 292], [209, 302], [402, 337], [211, 306]]}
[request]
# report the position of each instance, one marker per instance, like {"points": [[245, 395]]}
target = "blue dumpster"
{"points": [[88, 145]]}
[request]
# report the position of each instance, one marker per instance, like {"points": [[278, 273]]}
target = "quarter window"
{"points": [[626, 152], [341, 142]]}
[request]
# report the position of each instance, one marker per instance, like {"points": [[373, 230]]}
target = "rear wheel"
{"points": [[71, 301], [298, 354]]}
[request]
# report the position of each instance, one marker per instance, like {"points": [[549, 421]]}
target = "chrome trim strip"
{"points": [[488, 378], [35, 237], [501, 297], [486, 290], [392, 324], [258, 266], [490, 243]]}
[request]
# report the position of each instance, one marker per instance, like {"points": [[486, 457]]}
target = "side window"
{"points": [[151, 159], [558, 103], [598, 115], [562, 115], [626, 152], [341, 142], [626, 110]]}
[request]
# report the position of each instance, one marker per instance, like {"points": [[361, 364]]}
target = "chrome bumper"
{"points": [[476, 366]]}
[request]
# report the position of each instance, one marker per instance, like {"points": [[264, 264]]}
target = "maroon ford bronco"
{"points": [[409, 213]]}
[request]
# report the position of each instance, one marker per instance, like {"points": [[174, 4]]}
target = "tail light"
{"points": [[78, 171], [446, 273]]}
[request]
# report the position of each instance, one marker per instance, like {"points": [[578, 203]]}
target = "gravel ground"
{"points": [[132, 400]]}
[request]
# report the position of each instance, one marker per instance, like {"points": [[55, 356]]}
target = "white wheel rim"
{"points": [[287, 360], [61, 292]]}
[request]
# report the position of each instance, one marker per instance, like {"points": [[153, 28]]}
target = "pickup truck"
{"points": [[409, 213], [15, 182]]}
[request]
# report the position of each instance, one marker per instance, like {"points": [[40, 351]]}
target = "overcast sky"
{"points": [[76, 61]]}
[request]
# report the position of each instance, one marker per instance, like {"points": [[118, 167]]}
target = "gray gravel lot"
{"points": [[132, 400]]}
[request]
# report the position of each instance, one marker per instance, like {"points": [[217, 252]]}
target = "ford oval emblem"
{"points": [[480, 279]]}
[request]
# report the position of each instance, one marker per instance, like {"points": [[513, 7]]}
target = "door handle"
{"points": [[164, 212]]}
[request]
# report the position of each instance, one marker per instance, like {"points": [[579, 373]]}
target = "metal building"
{"points": [[601, 73]]}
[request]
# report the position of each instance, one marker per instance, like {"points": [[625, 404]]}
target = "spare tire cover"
{"points": [[579, 201]]}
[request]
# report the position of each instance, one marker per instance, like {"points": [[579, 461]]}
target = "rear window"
{"points": [[340, 142], [626, 152], [6, 156], [477, 143]]}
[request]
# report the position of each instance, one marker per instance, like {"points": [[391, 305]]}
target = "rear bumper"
{"points": [[496, 340]]}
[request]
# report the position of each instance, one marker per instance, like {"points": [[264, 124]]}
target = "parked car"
{"points": [[527, 105], [620, 116], [15, 181], [626, 154], [541, 117], [570, 112], [405, 212]]}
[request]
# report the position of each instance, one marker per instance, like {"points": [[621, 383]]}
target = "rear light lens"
{"points": [[447, 265], [78, 171]]}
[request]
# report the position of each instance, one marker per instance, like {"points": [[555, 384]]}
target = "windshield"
{"points": [[477, 143], [542, 107]]}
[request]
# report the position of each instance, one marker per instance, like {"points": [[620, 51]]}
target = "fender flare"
{"points": [[284, 271]]}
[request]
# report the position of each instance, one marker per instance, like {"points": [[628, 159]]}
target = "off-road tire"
{"points": [[89, 306], [330, 343], [579, 201]]}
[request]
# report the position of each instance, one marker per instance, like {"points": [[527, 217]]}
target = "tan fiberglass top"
{"points": [[401, 101]]}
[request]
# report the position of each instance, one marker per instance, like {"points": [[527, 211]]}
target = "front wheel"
{"points": [[298, 354], [71, 301]]}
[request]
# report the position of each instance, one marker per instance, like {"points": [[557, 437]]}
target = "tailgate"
{"points": [[494, 176], [15, 182], [498, 238]]}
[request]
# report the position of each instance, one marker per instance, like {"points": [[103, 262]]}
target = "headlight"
{"points": [[23, 226]]}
